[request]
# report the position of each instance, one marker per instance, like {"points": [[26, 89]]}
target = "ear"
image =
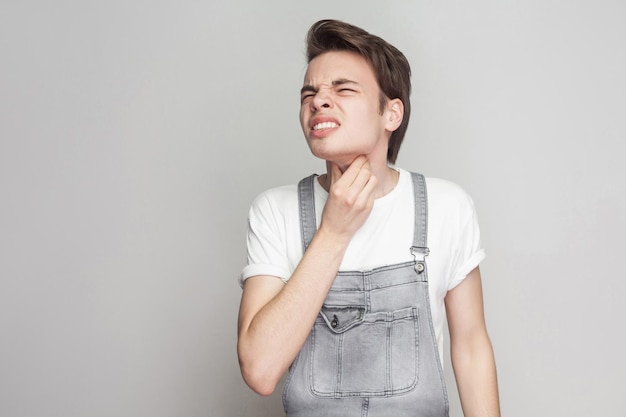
{"points": [[394, 114]]}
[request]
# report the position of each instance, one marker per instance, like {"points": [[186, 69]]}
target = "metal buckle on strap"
{"points": [[420, 254]]}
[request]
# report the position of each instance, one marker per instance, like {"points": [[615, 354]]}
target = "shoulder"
{"points": [[276, 195], [274, 202], [448, 202], [444, 193], [441, 192], [450, 208]]}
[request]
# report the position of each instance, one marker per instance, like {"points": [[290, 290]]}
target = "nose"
{"points": [[322, 99]]}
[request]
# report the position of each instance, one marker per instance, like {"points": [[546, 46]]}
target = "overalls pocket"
{"points": [[354, 353]]}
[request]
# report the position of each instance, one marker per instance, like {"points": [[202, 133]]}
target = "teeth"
{"points": [[324, 125]]}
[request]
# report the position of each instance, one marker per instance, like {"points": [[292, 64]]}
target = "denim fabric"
{"points": [[372, 350]]}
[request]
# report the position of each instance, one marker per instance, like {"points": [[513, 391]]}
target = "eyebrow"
{"points": [[335, 83]]}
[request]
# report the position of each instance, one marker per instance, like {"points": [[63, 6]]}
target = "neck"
{"points": [[386, 176]]}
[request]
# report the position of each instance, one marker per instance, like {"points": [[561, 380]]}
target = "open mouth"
{"points": [[324, 125]]}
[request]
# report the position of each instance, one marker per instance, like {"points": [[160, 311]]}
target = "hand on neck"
{"points": [[386, 176]]}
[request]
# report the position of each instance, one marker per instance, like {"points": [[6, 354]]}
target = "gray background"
{"points": [[135, 134]]}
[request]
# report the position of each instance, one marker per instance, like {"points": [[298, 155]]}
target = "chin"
{"points": [[343, 162], [342, 156]]}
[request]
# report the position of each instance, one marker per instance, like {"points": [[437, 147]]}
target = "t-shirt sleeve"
{"points": [[468, 251], [454, 232], [266, 245]]}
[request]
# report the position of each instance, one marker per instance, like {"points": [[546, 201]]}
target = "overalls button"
{"points": [[419, 267], [335, 322]]}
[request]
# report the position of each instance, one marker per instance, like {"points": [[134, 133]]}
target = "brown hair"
{"points": [[390, 66]]}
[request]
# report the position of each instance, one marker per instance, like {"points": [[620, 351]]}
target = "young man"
{"points": [[350, 274]]}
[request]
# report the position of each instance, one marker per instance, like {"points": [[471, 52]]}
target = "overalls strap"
{"points": [[420, 234], [307, 210]]}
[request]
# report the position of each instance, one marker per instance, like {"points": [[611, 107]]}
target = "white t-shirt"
{"points": [[275, 243]]}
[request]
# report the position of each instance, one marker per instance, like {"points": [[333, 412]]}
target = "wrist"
{"points": [[333, 238]]}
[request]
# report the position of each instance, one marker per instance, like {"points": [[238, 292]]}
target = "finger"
{"points": [[370, 186], [351, 173], [362, 177], [367, 195], [357, 164]]}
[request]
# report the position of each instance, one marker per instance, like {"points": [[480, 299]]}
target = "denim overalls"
{"points": [[372, 351]]}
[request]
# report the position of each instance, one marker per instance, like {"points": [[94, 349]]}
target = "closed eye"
{"points": [[306, 97], [307, 92], [344, 85]]}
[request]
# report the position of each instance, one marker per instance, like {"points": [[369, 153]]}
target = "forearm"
{"points": [[270, 339], [275, 320], [475, 372]]}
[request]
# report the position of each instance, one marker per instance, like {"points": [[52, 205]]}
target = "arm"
{"points": [[471, 351], [275, 318]]}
